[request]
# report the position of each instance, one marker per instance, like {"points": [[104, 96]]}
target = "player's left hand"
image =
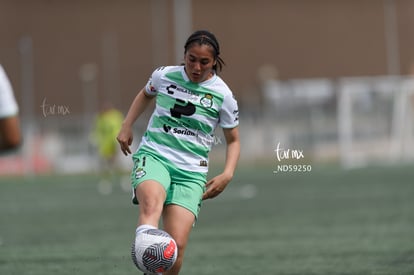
{"points": [[215, 186]]}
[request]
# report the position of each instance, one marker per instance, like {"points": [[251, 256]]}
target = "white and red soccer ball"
{"points": [[154, 251]]}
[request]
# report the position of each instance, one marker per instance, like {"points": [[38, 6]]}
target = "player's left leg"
{"points": [[178, 222]]}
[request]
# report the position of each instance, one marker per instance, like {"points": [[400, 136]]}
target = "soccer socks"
{"points": [[143, 227]]}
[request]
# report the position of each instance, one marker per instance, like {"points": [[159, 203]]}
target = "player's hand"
{"points": [[215, 186], [125, 140]]}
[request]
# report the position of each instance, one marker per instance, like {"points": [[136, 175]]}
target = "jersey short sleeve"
{"points": [[8, 104], [153, 83], [229, 113]]}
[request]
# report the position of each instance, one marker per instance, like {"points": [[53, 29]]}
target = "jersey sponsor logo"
{"points": [[182, 107], [236, 113], [171, 89], [184, 132], [178, 131], [151, 87], [167, 128]]}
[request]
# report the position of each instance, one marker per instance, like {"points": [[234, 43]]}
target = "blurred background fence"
{"points": [[329, 78]]}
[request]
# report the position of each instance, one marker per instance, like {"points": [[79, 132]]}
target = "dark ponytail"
{"points": [[203, 37]]}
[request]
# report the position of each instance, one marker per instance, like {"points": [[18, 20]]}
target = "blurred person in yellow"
{"points": [[107, 125], [10, 132]]}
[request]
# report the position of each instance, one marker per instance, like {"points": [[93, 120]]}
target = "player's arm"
{"points": [[217, 184], [232, 152], [10, 134], [138, 106]]}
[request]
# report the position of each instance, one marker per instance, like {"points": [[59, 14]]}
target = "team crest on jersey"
{"points": [[207, 101], [139, 173]]}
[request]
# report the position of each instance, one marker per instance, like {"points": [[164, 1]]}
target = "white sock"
{"points": [[144, 227]]}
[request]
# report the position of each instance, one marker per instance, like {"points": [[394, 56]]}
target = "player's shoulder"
{"points": [[220, 86], [166, 69], [160, 73]]}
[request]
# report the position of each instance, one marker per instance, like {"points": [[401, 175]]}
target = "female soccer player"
{"points": [[171, 163]]}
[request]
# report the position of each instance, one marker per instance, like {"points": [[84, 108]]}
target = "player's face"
{"points": [[199, 61]]}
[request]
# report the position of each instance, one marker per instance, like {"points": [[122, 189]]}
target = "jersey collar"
{"points": [[206, 82]]}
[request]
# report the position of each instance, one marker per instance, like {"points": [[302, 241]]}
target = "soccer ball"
{"points": [[154, 251]]}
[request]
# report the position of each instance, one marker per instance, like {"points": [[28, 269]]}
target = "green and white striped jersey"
{"points": [[181, 128]]}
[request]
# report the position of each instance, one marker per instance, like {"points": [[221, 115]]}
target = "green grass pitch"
{"points": [[326, 221]]}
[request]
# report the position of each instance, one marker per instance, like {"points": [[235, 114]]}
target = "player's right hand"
{"points": [[125, 140]]}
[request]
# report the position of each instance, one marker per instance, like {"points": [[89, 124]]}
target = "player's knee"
{"points": [[181, 245], [151, 208], [151, 195]]}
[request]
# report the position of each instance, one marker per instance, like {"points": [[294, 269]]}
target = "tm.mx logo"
{"points": [[283, 154]]}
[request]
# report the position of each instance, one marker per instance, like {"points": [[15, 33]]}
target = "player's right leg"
{"points": [[151, 196], [150, 180]]}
